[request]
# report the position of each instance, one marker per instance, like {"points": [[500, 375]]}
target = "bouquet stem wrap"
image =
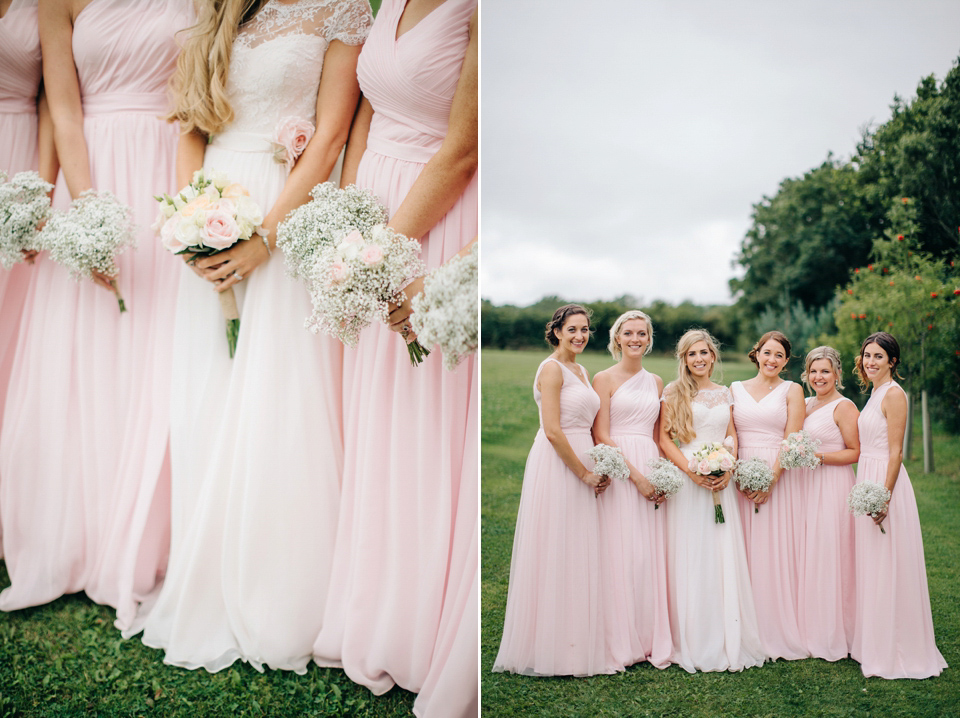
{"points": [[228, 303]]}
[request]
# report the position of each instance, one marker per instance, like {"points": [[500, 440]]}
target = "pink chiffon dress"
{"points": [[20, 74], [827, 597], [405, 427], [774, 535], [893, 634], [633, 554], [83, 451], [554, 623]]}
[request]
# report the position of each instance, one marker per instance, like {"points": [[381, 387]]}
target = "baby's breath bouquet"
{"points": [[799, 451], [609, 461], [446, 312], [753, 475], [324, 222], [24, 203], [713, 458], [210, 215], [353, 282], [867, 498], [665, 478], [89, 237]]}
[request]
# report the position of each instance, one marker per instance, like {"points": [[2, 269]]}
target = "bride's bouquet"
{"points": [[24, 204], [446, 312], [207, 216], [353, 282], [713, 459], [799, 451], [753, 475], [89, 237], [608, 461], [665, 477], [867, 498]]}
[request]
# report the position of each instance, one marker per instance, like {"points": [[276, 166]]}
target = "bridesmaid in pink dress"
{"points": [[26, 143], [405, 427], [83, 451], [633, 557], [827, 598], [766, 409], [893, 635], [554, 621]]}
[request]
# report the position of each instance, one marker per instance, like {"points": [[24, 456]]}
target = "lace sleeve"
{"points": [[350, 22]]}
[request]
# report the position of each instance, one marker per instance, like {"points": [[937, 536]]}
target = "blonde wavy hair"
{"points": [[678, 417], [199, 85], [823, 352], [614, 346]]}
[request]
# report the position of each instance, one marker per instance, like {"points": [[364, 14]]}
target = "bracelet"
{"points": [[264, 235]]}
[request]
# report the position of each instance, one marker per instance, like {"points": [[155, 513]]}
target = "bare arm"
{"points": [[357, 144], [47, 151], [894, 407], [845, 416], [190, 150], [551, 382]]}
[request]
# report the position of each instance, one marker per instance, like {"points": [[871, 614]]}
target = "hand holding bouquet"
{"points": [[608, 461], [799, 451], [24, 204], [665, 477], [207, 216], [88, 238], [753, 475], [869, 499], [713, 459]]}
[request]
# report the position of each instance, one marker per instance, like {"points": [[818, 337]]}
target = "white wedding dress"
{"points": [[712, 616], [256, 441]]}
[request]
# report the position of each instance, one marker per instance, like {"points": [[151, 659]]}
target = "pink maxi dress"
{"points": [[83, 452], [405, 427], [633, 557], [893, 634], [773, 535], [827, 597], [554, 622], [20, 73]]}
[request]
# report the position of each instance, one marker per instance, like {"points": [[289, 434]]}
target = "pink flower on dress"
{"points": [[372, 254], [220, 230], [292, 136]]}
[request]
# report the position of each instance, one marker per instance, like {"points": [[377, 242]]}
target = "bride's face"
{"points": [[699, 360], [634, 338], [772, 357]]}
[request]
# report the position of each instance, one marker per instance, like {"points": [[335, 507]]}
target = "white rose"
{"points": [[219, 179], [187, 233]]}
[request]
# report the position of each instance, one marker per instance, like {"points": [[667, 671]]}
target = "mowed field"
{"points": [[810, 687]]}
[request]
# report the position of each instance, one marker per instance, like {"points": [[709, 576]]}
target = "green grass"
{"points": [[783, 688], [67, 659]]}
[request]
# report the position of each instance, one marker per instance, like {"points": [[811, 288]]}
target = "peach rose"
{"points": [[234, 191], [199, 203]]}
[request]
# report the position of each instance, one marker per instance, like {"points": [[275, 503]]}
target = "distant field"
{"points": [[794, 688]]}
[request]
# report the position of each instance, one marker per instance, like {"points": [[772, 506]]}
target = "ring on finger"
{"points": [[238, 276]]}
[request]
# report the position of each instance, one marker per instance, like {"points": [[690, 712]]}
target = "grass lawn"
{"points": [[67, 659], [784, 688]]}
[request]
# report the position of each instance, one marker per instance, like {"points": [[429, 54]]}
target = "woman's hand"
{"points": [[400, 313], [646, 489], [104, 280], [597, 482], [878, 519], [226, 268]]}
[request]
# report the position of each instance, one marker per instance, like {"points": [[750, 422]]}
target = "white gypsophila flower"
{"points": [[753, 474], [24, 204], [89, 236], [609, 461], [867, 498], [798, 451], [331, 215], [665, 477], [445, 313], [349, 293]]}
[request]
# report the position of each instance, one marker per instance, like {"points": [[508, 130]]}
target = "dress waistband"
{"points": [[397, 150], [18, 105], [108, 103], [244, 142], [878, 455]]}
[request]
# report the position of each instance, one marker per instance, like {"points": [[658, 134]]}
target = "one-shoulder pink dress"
{"points": [[633, 554], [404, 427], [83, 452], [554, 622], [773, 535], [827, 597], [893, 634], [20, 73]]}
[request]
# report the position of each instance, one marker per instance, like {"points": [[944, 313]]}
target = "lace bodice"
{"points": [[711, 416], [278, 57]]}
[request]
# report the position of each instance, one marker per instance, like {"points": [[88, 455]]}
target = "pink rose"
{"points": [[220, 230], [726, 464], [354, 237], [293, 134], [339, 271], [372, 254], [168, 235], [704, 467]]}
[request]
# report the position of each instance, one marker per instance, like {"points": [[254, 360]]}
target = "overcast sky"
{"points": [[624, 142]]}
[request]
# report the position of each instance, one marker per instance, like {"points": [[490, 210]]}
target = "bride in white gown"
{"points": [[712, 616], [256, 441]]}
